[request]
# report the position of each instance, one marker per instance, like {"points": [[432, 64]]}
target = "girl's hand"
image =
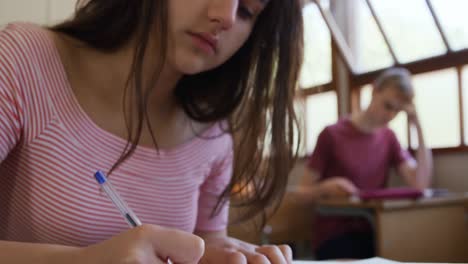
{"points": [[147, 244], [223, 249]]}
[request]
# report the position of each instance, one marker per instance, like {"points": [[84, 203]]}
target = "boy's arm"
{"points": [[417, 174]]}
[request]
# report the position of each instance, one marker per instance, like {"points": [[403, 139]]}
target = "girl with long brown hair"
{"points": [[186, 104]]}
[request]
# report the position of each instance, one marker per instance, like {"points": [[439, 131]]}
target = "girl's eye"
{"points": [[244, 13]]}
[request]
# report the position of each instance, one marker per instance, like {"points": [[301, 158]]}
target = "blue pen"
{"points": [[123, 208]]}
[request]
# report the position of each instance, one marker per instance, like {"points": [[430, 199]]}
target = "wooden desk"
{"points": [[423, 230], [293, 222]]}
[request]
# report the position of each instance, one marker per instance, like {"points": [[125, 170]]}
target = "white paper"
{"points": [[375, 260]]}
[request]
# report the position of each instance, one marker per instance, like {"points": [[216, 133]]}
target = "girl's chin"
{"points": [[195, 66], [192, 69]]}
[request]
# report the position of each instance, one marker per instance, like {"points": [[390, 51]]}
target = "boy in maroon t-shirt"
{"points": [[357, 153]]}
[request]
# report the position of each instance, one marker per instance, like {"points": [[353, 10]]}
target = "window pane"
{"points": [[465, 100], [399, 125], [299, 108], [316, 69], [452, 15], [371, 50], [366, 96], [322, 110], [438, 108], [410, 28]]}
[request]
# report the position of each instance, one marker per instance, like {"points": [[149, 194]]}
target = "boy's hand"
{"points": [[337, 187]]}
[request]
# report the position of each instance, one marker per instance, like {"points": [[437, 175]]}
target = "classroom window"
{"points": [[399, 125], [452, 14], [411, 29], [437, 104], [299, 107], [316, 69], [416, 43], [372, 52], [321, 110]]}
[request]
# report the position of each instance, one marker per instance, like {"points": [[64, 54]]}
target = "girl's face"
{"points": [[203, 34]]}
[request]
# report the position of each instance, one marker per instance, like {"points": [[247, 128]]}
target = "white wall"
{"points": [[44, 12], [450, 172], [60, 9]]}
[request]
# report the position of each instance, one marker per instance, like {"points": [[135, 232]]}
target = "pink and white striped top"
{"points": [[50, 149]]}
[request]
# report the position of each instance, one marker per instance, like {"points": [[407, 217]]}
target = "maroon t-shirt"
{"points": [[342, 150]]}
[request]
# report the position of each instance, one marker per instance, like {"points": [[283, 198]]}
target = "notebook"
{"points": [[391, 193], [376, 260]]}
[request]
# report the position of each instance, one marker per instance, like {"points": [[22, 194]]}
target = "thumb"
{"points": [[178, 246]]}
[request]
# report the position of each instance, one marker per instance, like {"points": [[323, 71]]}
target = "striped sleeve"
{"points": [[11, 110], [211, 189]]}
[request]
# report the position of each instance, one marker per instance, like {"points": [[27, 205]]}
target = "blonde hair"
{"points": [[399, 78]]}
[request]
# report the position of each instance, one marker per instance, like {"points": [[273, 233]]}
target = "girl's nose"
{"points": [[224, 12]]}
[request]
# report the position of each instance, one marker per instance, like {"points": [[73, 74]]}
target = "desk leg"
{"points": [[432, 234]]}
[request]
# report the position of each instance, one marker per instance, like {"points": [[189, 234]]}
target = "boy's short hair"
{"points": [[397, 77]]}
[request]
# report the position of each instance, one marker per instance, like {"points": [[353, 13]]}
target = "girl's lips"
{"points": [[206, 42]]}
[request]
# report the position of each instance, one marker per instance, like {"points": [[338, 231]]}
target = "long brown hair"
{"points": [[253, 90]]}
